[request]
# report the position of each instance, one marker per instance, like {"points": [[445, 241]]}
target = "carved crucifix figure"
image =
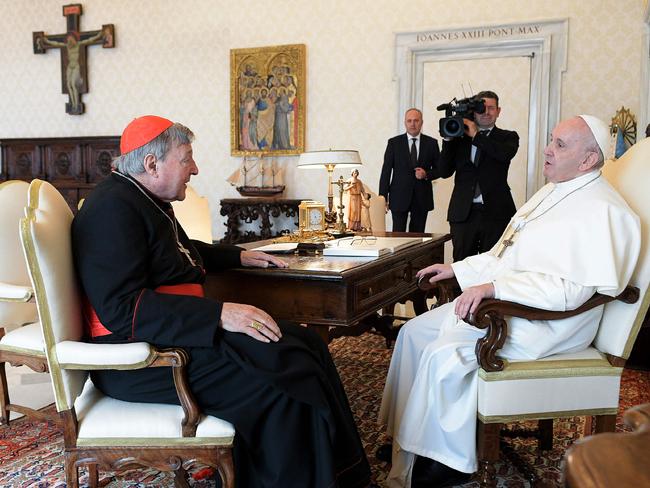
{"points": [[74, 77]]}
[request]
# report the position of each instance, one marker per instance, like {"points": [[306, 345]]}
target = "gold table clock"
{"points": [[311, 216]]}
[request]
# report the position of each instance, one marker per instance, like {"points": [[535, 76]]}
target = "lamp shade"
{"points": [[320, 159]]}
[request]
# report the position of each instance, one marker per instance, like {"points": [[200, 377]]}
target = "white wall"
{"points": [[172, 59]]}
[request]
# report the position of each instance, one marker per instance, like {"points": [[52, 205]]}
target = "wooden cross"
{"points": [[74, 77]]}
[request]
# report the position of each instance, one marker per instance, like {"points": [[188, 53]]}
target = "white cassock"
{"points": [[568, 241]]}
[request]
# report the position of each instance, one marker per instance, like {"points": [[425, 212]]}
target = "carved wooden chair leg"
{"points": [[545, 439], [604, 423], [225, 468], [71, 471], [180, 478], [4, 396], [488, 453], [93, 475]]}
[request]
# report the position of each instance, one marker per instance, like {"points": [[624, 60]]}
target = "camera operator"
{"points": [[481, 203]]}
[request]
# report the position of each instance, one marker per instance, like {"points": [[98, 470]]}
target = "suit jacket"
{"points": [[494, 153], [398, 183]]}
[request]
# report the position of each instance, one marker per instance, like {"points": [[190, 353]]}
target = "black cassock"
{"points": [[293, 422]]}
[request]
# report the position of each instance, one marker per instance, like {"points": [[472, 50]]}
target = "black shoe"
{"points": [[385, 453], [428, 473]]}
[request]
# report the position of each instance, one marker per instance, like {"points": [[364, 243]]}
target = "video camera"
{"points": [[455, 111]]}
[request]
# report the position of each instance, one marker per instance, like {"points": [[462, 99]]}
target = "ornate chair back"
{"points": [[13, 196], [377, 212], [21, 341], [621, 322], [193, 213], [48, 249]]}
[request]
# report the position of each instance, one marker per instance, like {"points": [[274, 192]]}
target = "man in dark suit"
{"points": [[412, 160], [481, 203]]}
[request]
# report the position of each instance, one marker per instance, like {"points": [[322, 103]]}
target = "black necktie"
{"points": [[477, 188], [477, 152], [414, 153]]}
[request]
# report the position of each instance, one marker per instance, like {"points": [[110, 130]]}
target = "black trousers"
{"points": [[293, 423], [475, 235], [417, 222]]}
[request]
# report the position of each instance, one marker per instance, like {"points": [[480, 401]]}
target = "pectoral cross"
{"points": [[186, 251], [506, 240], [74, 76]]}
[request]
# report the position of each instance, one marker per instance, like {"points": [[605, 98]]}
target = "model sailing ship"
{"points": [[257, 177]]}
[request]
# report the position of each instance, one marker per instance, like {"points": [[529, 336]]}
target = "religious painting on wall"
{"points": [[267, 100]]}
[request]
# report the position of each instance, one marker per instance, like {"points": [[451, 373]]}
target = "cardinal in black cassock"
{"points": [[142, 278]]}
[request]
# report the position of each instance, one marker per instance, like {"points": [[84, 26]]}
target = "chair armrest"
{"points": [[178, 358], [87, 356], [135, 355], [445, 290], [490, 315], [15, 293]]}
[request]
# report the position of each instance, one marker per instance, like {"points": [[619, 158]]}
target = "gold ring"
{"points": [[256, 325]]}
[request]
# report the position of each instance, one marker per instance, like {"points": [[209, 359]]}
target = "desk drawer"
{"points": [[395, 281]]}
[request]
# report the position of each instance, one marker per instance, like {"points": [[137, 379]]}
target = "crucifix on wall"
{"points": [[74, 76]]}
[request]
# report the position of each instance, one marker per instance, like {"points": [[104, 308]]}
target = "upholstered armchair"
{"points": [[193, 213], [586, 383], [21, 341], [99, 431]]}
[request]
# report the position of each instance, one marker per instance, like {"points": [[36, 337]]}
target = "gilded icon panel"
{"points": [[267, 100]]}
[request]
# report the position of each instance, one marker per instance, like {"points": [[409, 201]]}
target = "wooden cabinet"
{"points": [[74, 165]]}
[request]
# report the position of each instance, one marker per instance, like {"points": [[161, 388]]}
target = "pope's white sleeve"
{"points": [[541, 290], [474, 270]]}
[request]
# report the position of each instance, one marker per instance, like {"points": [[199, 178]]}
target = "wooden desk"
{"points": [[324, 292]]}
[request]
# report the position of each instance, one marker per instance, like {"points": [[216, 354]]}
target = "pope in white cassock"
{"points": [[576, 236]]}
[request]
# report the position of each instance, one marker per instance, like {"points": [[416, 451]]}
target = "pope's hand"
{"points": [[249, 320], [258, 259], [467, 303], [436, 272]]}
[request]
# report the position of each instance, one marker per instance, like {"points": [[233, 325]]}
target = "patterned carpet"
{"points": [[31, 452]]}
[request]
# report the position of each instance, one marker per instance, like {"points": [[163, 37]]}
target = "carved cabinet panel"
{"points": [[253, 219], [74, 165], [63, 162], [21, 163]]}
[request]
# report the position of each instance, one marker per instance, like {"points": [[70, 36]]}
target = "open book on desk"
{"points": [[368, 246]]}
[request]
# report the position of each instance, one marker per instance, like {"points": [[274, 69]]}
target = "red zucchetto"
{"points": [[141, 131]]}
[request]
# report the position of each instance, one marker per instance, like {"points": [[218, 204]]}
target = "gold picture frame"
{"points": [[268, 100]]}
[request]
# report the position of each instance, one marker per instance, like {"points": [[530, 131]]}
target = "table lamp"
{"points": [[329, 160]]}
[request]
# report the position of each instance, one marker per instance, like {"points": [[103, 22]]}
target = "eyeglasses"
{"points": [[357, 240]]}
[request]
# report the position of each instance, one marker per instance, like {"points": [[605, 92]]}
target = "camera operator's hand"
{"points": [[471, 129], [420, 173]]}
